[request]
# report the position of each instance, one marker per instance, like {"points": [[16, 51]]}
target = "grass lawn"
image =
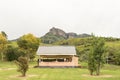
{"points": [[113, 44], [8, 72]]}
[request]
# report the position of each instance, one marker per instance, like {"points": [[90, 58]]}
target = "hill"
{"points": [[56, 34]]}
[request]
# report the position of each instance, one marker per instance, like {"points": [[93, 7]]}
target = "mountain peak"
{"points": [[57, 31], [56, 34]]}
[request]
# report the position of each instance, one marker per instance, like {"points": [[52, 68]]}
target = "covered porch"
{"points": [[58, 60]]}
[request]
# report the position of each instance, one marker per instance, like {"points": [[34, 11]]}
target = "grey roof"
{"points": [[56, 50]]}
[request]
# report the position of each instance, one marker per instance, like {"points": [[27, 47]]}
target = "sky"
{"points": [[19, 17]]}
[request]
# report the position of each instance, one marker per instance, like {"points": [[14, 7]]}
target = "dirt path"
{"points": [[23, 78], [103, 76], [7, 68]]}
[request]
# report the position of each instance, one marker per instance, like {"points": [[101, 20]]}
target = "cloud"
{"points": [[101, 17]]}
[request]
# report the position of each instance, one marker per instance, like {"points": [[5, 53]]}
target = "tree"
{"points": [[113, 56], [12, 53], [4, 34], [29, 43], [3, 43], [96, 57], [22, 64], [117, 57]]}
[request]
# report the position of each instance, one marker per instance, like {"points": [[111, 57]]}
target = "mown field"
{"points": [[8, 72]]}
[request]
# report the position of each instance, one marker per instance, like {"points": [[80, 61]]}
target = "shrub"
{"points": [[12, 53], [22, 64]]}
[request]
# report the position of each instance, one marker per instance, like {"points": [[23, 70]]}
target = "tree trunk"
{"points": [[2, 56], [91, 72], [98, 70], [24, 74]]}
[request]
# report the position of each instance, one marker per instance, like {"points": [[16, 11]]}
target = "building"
{"points": [[57, 56]]}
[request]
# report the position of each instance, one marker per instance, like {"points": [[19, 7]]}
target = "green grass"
{"points": [[111, 44], [8, 72]]}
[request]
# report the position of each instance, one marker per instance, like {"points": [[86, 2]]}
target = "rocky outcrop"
{"points": [[56, 34], [59, 32], [83, 35], [71, 35]]}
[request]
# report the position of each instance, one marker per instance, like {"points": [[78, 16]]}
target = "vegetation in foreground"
{"points": [[96, 57], [8, 71], [22, 64]]}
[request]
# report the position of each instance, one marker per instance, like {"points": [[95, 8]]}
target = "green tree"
{"points": [[4, 34], [3, 43], [96, 57], [117, 57], [29, 43], [22, 64], [12, 53], [113, 55]]}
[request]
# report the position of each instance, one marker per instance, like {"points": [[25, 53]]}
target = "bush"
{"points": [[12, 53], [113, 55], [22, 64]]}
